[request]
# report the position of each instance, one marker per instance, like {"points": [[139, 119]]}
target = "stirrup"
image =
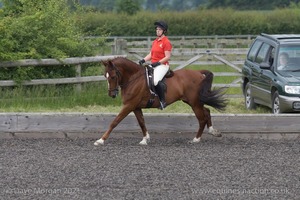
{"points": [[162, 105]]}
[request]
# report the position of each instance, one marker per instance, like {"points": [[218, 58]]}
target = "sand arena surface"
{"points": [[168, 168]]}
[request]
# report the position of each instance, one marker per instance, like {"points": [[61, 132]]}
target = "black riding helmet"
{"points": [[163, 25]]}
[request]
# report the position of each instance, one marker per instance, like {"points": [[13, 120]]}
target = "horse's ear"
{"points": [[104, 62], [108, 63]]}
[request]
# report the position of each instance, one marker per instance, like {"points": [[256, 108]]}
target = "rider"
{"points": [[160, 55]]}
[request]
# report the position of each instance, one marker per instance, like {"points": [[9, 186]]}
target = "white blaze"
{"points": [[107, 75]]}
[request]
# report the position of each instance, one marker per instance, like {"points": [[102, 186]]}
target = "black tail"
{"points": [[214, 98]]}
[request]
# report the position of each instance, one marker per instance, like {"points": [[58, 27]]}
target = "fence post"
{"points": [[120, 46], [149, 42], [78, 75], [113, 47]]}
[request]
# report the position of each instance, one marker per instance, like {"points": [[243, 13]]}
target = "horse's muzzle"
{"points": [[113, 93]]}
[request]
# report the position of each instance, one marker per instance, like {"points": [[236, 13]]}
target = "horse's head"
{"points": [[113, 76], [118, 73]]}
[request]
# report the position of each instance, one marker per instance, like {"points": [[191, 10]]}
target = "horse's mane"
{"points": [[120, 58], [119, 61]]}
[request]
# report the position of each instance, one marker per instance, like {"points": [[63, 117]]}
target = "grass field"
{"points": [[93, 98]]}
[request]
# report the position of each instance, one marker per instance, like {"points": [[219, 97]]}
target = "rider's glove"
{"points": [[141, 62], [155, 64]]}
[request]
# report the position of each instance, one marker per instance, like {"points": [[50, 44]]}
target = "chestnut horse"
{"points": [[191, 86]]}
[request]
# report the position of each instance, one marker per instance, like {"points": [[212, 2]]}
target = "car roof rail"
{"points": [[268, 36], [281, 36]]}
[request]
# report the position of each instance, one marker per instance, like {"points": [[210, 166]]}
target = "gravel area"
{"points": [[168, 168]]}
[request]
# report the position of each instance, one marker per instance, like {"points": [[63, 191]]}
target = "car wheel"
{"points": [[249, 101], [276, 103]]}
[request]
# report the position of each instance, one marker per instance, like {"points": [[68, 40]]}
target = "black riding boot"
{"points": [[161, 94]]}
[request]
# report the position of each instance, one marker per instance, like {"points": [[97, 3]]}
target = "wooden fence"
{"points": [[52, 62], [196, 50], [84, 124]]}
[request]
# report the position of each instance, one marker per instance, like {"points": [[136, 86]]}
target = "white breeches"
{"points": [[159, 72]]}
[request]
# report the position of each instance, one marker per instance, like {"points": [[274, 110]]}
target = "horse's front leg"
{"points": [[124, 112], [140, 118]]}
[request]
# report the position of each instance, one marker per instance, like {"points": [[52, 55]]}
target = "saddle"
{"points": [[150, 78]]}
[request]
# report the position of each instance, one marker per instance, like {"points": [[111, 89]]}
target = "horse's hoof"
{"points": [[143, 142], [98, 142], [145, 139], [196, 140], [214, 132]]}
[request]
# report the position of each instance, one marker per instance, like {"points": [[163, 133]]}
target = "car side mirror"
{"points": [[265, 65]]}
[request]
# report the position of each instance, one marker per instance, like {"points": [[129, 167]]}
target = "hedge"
{"points": [[201, 22]]}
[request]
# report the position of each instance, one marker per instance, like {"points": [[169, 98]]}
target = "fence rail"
{"points": [[52, 62], [212, 50]]}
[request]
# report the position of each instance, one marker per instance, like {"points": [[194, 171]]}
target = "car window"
{"points": [[253, 51], [292, 56], [262, 54]]}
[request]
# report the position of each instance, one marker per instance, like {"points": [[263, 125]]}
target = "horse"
{"points": [[191, 86]]}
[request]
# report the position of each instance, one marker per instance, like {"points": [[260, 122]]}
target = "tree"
{"points": [[39, 29], [128, 6]]}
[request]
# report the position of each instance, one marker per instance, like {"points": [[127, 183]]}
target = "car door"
{"points": [[250, 67], [263, 76]]}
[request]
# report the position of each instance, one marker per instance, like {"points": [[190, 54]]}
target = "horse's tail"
{"points": [[214, 98]]}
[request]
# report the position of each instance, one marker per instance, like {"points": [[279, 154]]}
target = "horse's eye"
{"points": [[113, 78]]}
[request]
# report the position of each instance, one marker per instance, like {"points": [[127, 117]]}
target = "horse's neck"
{"points": [[130, 74]]}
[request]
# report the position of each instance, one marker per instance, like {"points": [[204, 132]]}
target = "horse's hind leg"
{"points": [[199, 111], [211, 130], [140, 118]]}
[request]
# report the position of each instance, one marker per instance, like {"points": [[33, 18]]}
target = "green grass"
{"points": [[235, 106], [54, 98], [94, 98]]}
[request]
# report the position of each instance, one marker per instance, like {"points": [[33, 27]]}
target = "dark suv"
{"points": [[271, 73]]}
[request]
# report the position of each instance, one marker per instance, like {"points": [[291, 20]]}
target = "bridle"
{"points": [[119, 75]]}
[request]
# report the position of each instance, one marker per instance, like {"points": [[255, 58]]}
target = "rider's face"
{"points": [[159, 31]]}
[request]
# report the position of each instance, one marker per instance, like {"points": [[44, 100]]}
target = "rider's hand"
{"points": [[155, 64], [141, 62]]}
